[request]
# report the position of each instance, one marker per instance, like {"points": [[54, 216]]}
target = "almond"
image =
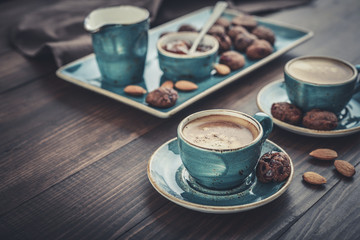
{"points": [[168, 84], [134, 90], [345, 168], [222, 69], [186, 86], [324, 154], [314, 178]]}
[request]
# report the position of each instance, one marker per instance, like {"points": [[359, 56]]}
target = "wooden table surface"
{"points": [[73, 162]]}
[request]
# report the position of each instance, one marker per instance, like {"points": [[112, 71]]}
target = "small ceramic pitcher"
{"points": [[120, 42]]}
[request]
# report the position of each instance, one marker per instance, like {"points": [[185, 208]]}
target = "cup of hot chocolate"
{"points": [[220, 148], [320, 82]]}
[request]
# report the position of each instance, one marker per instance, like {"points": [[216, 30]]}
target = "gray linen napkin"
{"points": [[57, 31]]}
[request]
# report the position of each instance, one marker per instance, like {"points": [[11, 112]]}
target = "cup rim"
{"points": [[226, 112], [192, 35], [352, 78], [109, 12]]}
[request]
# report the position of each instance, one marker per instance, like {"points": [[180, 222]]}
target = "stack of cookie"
{"points": [[316, 119]]}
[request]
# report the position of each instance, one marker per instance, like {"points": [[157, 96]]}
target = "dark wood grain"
{"points": [[73, 163], [39, 143], [338, 213], [115, 188], [19, 70]]}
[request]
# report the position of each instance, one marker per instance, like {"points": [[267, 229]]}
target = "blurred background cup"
{"points": [[320, 82], [120, 42]]}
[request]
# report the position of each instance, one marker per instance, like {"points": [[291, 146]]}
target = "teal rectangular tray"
{"points": [[84, 72]]}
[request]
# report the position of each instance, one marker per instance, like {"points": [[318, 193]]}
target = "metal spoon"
{"points": [[218, 10]]}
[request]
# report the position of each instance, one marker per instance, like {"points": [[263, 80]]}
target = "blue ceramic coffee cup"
{"points": [[320, 82], [196, 66], [214, 165], [120, 42]]}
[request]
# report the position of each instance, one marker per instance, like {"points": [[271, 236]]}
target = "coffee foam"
{"points": [[220, 132], [320, 70]]}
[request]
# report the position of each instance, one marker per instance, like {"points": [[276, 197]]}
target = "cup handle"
{"points": [[266, 123], [357, 88]]}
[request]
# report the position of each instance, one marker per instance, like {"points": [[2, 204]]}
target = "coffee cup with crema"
{"points": [[220, 148], [320, 82]]}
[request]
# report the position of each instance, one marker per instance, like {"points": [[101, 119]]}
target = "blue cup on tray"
{"points": [[320, 82], [120, 42], [181, 66]]}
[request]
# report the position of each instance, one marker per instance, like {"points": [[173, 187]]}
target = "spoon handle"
{"points": [[218, 10]]}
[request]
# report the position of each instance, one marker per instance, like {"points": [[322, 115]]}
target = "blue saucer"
{"points": [[349, 119], [169, 177]]}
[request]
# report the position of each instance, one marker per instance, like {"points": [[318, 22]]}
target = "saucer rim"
{"points": [[214, 208], [301, 130]]}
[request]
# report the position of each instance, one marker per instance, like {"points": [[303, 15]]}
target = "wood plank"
{"points": [[38, 148], [337, 216], [100, 201], [17, 70]]}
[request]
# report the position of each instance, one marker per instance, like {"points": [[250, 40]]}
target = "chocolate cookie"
{"points": [[224, 42], [286, 112], [320, 120], [234, 31], [264, 33], [162, 97], [223, 22], [243, 40], [247, 21], [187, 28], [273, 167], [259, 49], [232, 59], [217, 30]]}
